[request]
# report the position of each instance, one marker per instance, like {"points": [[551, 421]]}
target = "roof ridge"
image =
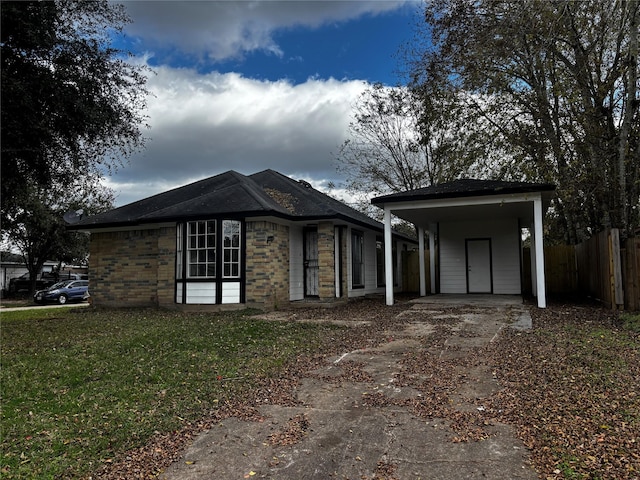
{"points": [[258, 193]]}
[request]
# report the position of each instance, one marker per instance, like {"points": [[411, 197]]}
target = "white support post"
{"points": [[532, 261], [539, 247], [432, 256], [388, 257], [423, 275], [337, 261]]}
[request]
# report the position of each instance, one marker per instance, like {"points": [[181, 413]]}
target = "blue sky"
{"points": [[255, 85]]}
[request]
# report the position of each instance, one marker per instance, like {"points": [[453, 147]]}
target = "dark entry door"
{"points": [[311, 264], [479, 265]]}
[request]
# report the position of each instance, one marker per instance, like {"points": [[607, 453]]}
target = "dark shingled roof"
{"points": [[465, 187], [267, 193]]}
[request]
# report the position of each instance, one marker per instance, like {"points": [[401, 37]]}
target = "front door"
{"points": [[479, 265], [311, 264]]}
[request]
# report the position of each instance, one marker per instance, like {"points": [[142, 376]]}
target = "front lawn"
{"points": [[82, 386], [117, 394]]}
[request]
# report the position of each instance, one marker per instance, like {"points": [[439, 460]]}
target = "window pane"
{"points": [[200, 255], [357, 266]]}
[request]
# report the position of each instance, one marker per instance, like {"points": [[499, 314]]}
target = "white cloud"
{"points": [[203, 125], [217, 30]]}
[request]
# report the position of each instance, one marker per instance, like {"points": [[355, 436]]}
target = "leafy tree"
{"points": [[39, 230], [558, 82], [71, 104]]}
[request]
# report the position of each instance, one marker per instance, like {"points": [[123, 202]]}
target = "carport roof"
{"points": [[465, 187], [467, 199]]}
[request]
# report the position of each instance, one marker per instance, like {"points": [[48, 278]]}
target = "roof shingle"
{"points": [[231, 193]]}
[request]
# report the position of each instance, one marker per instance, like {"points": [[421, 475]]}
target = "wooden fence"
{"points": [[631, 273], [600, 268], [560, 269], [411, 271]]}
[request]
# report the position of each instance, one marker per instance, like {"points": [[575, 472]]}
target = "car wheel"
{"points": [[62, 299]]}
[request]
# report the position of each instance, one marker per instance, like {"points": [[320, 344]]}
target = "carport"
{"points": [[475, 226]]}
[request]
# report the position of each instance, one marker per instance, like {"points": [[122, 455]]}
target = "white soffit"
{"points": [[423, 212]]}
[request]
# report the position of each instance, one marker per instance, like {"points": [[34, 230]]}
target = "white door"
{"points": [[479, 265]]}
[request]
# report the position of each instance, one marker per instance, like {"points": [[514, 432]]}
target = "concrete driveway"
{"points": [[385, 412]]}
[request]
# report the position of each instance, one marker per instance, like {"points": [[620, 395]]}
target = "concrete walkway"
{"points": [[4, 308], [378, 425]]}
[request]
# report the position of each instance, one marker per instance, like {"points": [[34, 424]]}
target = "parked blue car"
{"points": [[63, 292]]}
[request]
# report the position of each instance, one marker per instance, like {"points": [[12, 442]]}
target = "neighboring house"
{"points": [[12, 266], [262, 239], [475, 231]]}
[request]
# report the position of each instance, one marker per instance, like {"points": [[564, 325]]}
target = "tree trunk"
{"points": [[632, 69]]}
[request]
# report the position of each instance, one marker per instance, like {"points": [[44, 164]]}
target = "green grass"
{"points": [[81, 386], [631, 321]]}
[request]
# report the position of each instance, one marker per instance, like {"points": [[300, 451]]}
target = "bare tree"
{"points": [[402, 139], [559, 83]]}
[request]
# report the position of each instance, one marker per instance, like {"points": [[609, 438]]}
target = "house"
{"points": [[475, 233], [12, 267], [262, 239]]}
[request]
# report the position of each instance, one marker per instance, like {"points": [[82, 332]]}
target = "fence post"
{"points": [[617, 292]]}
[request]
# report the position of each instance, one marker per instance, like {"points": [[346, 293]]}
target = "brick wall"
{"points": [[326, 260], [133, 268], [267, 264]]}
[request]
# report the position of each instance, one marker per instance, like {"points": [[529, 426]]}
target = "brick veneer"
{"points": [[133, 268], [326, 261], [137, 267], [267, 264]]}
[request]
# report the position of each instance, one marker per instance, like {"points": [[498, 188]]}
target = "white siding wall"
{"points": [[231, 292], [370, 274], [505, 247], [296, 267], [202, 292], [296, 263]]}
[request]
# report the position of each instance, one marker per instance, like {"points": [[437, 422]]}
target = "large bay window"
{"points": [[209, 262]]}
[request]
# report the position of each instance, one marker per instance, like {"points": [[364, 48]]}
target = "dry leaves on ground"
{"points": [[571, 387]]}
